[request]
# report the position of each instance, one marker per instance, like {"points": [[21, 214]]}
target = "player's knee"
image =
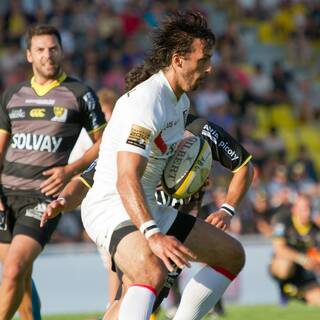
{"points": [[158, 278], [238, 257], [153, 273], [13, 271]]}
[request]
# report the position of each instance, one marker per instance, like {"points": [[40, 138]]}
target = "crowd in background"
{"points": [[266, 60]]}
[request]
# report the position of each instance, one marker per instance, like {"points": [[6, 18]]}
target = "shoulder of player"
{"points": [[145, 96], [195, 124], [185, 99], [10, 91], [76, 86], [283, 216]]}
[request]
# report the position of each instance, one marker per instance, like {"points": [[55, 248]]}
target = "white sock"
{"points": [[202, 292], [137, 303]]}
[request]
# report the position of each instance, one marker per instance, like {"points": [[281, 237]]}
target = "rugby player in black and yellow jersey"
{"points": [[296, 259], [226, 150], [40, 121]]}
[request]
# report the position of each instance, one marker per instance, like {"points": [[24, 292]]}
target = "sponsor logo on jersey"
{"points": [[46, 102], [30, 141], [17, 114], [90, 101], [228, 151], [170, 124], [37, 211], [91, 167], [60, 114], [210, 133], [139, 136], [37, 113], [58, 111]]}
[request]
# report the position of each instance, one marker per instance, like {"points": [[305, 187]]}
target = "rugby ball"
{"points": [[188, 168]]}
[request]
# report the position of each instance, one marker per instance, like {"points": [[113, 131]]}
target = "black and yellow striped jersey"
{"points": [[44, 123]]}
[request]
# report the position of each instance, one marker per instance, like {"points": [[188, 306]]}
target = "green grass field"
{"points": [[294, 311]]}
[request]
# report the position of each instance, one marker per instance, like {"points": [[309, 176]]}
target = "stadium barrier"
{"points": [[71, 278]]}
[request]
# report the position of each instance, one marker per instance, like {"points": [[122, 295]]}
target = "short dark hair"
{"points": [[42, 29], [175, 35]]}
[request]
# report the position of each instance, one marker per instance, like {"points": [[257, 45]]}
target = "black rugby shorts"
{"points": [[22, 216]]}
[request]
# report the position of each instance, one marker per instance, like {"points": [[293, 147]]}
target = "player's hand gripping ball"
{"points": [[188, 169]]}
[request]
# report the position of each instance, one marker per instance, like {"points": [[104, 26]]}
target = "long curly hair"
{"points": [[175, 35]]}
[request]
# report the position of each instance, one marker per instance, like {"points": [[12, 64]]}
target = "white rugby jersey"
{"points": [[148, 120]]}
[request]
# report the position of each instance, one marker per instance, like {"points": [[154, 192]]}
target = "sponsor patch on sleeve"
{"points": [[139, 136]]}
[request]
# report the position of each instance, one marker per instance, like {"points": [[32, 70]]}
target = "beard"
{"points": [[49, 73]]}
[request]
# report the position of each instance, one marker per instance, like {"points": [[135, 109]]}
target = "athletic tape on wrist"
{"points": [[151, 232], [147, 225], [228, 209]]}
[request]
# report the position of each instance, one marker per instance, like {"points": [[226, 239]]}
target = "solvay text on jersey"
{"points": [[30, 141]]}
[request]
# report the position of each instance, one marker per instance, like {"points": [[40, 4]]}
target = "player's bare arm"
{"points": [[59, 176], [131, 167], [69, 199], [238, 187], [282, 250]]}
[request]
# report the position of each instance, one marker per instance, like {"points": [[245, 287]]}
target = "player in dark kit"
{"points": [[40, 121], [234, 158], [296, 259]]}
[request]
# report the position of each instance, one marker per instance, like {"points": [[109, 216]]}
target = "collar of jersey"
{"points": [[302, 229], [41, 90], [167, 84]]}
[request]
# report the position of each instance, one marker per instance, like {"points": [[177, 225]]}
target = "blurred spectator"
{"points": [[299, 51], [210, 97], [103, 39], [240, 98], [273, 143], [306, 99], [16, 21], [295, 261], [260, 85], [281, 79], [262, 214], [312, 28], [107, 22], [107, 99], [114, 78], [303, 157], [229, 44], [299, 179], [253, 145], [278, 180]]}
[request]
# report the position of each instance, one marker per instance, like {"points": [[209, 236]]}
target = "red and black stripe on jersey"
{"points": [[43, 129], [220, 142]]}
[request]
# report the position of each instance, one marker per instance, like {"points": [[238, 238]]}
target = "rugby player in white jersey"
{"points": [[120, 212], [238, 162]]}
